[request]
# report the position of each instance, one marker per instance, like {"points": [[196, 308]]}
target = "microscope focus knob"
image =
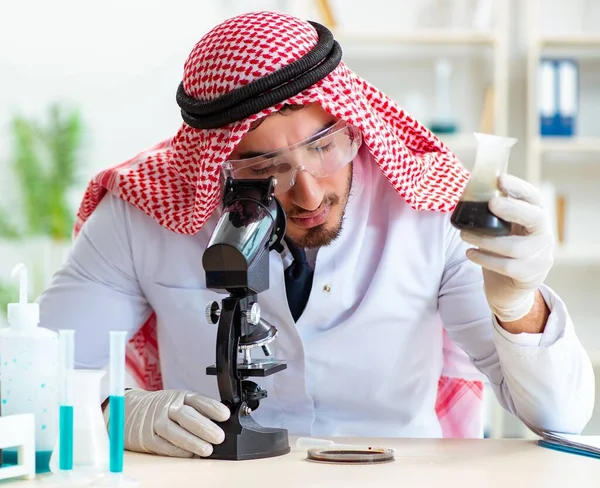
{"points": [[253, 315], [212, 312]]}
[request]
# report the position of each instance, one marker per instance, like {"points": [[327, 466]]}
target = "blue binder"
{"points": [[559, 97]]}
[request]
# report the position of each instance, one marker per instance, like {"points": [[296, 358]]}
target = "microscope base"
{"points": [[246, 439]]}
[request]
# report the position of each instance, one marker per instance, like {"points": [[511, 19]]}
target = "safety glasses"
{"points": [[319, 155]]}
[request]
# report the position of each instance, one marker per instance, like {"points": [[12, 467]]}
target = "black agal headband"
{"points": [[264, 92]]}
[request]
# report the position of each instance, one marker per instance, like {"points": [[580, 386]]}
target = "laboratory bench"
{"points": [[417, 463]]}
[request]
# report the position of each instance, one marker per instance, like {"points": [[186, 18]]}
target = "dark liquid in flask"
{"points": [[476, 217]]}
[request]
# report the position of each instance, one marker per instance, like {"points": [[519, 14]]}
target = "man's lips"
{"points": [[308, 215], [312, 219]]}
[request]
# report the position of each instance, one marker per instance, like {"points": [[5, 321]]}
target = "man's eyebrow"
{"points": [[255, 154]]}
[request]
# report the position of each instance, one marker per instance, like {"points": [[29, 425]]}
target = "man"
{"points": [[397, 294]]}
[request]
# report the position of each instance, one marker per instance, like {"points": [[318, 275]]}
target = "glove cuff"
{"points": [[516, 310]]}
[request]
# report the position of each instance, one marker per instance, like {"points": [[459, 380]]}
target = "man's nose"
{"points": [[306, 192]]}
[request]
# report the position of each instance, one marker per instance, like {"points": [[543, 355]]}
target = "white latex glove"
{"points": [[514, 266], [172, 423]]}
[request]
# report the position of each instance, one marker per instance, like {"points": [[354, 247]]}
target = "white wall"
{"points": [[119, 62]]}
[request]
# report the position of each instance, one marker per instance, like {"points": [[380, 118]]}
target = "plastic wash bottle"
{"points": [[29, 373]]}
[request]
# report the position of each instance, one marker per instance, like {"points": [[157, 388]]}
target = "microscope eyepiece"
{"points": [[251, 224]]}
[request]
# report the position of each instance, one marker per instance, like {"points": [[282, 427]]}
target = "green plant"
{"points": [[44, 161]]}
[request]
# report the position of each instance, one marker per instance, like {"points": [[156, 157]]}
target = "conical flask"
{"points": [[90, 435], [472, 213]]}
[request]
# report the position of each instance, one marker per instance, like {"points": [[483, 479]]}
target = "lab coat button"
{"points": [[326, 288]]}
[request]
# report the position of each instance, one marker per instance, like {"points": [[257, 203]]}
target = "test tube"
{"points": [[67, 473], [116, 422], [118, 341], [67, 365]]}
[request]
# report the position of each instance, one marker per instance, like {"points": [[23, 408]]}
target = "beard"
{"points": [[326, 233]]}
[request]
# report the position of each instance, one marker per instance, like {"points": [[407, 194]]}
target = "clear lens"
{"points": [[320, 156]]}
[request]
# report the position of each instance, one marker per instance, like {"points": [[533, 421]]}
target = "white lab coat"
{"points": [[366, 355]]}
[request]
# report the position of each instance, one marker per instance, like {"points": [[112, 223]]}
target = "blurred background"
{"points": [[88, 85]]}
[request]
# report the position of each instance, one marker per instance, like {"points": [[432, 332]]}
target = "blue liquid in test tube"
{"points": [[116, 426], [65, 456]]}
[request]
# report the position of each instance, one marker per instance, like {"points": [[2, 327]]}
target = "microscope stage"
{"points": [[254, 369]]}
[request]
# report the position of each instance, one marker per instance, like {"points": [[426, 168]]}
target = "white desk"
{"points": [[450, 463]]}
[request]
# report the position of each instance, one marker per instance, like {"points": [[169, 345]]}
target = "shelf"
{"points": [[424, 37], [569, 144], [577, 41]]}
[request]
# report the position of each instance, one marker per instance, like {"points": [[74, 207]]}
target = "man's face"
{"points": [[314, 205]]}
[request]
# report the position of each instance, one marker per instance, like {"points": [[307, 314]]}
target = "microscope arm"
{"points": [[226, 360]]}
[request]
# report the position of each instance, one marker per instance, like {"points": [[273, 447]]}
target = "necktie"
{"points": [[298, 280]]}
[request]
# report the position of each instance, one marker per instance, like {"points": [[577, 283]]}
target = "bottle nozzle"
{"points": [[23, 314], [21, 270]]}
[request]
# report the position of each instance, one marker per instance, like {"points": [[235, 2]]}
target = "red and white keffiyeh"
{"points": [[177, 181]]}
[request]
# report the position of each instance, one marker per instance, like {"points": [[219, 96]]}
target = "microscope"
{"points": [[236, 261]]}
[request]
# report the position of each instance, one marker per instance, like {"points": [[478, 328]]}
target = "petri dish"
{"points": [[370, 455]]}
